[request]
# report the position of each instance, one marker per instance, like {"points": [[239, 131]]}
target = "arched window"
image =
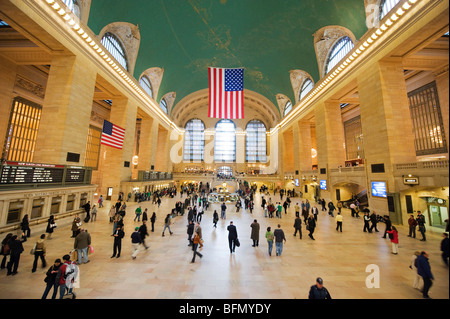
{"points": [[256, 142], [194, 141], [225, 142], [386, 6], [307, 86], [70, 4], [287, 108], [112, 44], [146, 85], [342, 47], [163, 105]]}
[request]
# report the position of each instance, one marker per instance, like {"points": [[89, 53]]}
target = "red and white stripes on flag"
{"points": [[226, 93], [112, 135]]}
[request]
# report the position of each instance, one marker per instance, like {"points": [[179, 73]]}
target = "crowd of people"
{"points": [[63, 273]]}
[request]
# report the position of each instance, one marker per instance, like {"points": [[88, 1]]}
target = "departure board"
{"points": [[12, 174], [15, 173], [75, 175]]}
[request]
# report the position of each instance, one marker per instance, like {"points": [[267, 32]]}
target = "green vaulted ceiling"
{"points": [[266, 37]]}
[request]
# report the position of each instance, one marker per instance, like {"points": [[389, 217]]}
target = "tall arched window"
{"points": [[163, 105], [342, 47], [112, 44], [386, 6], [194, 141], [287, 108], [307, 86], [256, 142], [225, 142], [146, 85]]}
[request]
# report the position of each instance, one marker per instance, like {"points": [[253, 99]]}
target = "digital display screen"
{"points": [[379, 189], [297, 183], [323, 185], [30, 175], [33, 173]]}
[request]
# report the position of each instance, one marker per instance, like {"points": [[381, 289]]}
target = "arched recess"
{"points": [[298, 78], [325, 39], [283, 103], [130, 38], [170, 100], [155, 76], [196, 105]]}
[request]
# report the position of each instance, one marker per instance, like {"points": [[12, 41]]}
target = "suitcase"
{"points": [[86, 220]]}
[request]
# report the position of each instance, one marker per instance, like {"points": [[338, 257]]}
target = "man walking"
{"points": [[279, 238], [232, 236], [424, 271]]}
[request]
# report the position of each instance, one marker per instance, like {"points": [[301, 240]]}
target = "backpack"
{"points": [[70, 270]]}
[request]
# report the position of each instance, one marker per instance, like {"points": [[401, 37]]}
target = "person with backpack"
{"points": [[66, 277], [39, 252]]}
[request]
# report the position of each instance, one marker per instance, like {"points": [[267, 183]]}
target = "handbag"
{"points": [[33, 250], [237, 242]]}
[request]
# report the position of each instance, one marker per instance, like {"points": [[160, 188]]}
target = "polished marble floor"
{"points": [[165, 271]]}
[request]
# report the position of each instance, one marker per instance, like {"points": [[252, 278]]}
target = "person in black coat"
{"points": [[25, 226], [144, 233], [118, 235], [232, 236], [50, 226], [311, 222], [16, 248], [318, 291], [50, 279], [298, 226], [388, 223], [190, 231], [445, 248], [152, 220]]}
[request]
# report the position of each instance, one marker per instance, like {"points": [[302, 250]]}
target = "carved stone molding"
{"points": [[31, 87]]}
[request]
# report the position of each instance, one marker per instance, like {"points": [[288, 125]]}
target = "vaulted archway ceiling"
{"points": [[266, 37]]}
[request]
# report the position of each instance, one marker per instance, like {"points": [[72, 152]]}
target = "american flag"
{"points": [[226, 93], [112, 135]]}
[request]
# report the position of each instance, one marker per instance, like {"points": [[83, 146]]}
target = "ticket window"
{"points": [[56, 204], [83, 199], [70, 203], [14, 212], [38, 207]]}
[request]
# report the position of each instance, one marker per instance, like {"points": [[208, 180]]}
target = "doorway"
{"points": [[437, 212]]}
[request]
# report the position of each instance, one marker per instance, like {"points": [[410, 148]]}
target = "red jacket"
{"points": [[395, 233]]}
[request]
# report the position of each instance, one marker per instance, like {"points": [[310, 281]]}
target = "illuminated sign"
{"points": [[379, 189]]}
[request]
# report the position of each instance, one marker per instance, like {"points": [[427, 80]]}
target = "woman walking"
{"points": [[311, 225], [51, 225], [39, 252], [25, 226]]}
